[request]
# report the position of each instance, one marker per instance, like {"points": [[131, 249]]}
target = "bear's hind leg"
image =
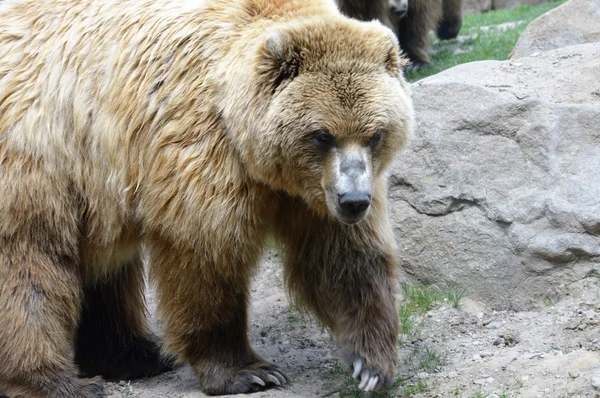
{"points": [[113, 339], [40, 284], [39, 307], [205, 308]]}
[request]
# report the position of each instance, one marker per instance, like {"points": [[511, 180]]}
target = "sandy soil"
{"points": [[465, 352]]}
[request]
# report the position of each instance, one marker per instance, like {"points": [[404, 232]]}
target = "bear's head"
{"points": [[338, 112]]}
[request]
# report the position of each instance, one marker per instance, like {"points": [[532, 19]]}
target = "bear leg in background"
{"points": [[451, 21], [205, 310], [413, 30], [40, 285], [113, 339], [345, 275], [367, 10]]}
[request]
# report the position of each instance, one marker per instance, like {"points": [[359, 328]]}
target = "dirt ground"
{"points": [[465, 352]]}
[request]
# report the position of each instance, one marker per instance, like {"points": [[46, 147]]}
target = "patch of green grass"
{"points": [[488, 36], [429, 359], [415, 388], [419, 299]]}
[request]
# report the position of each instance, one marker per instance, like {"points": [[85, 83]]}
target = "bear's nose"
{"points": [[400, 10], [355, 202]]}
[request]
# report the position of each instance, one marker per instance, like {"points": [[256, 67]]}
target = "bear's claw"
{"points": [[371, 379]]}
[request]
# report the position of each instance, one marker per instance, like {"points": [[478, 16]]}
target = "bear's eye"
{"points": [[324, 139], [376, 139]]}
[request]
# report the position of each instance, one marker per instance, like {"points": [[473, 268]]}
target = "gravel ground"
{"points": [[471, 351]]}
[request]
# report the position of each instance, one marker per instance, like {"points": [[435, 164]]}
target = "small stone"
{"points": [[574, 375], [476, 357], [536, 54], [422, 375], [498, 341], [483, 381], [122, 383], [484, 354], [452, 375]]}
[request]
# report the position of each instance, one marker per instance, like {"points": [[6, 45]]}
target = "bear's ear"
{"points": [[395, 60], [279, 61]]}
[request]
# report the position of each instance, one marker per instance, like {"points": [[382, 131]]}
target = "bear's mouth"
{"points": [[350, 207]]}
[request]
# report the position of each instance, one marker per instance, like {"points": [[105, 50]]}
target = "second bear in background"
{"points": [[411, 20]]}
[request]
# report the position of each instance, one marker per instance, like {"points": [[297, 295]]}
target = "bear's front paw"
{"points": [[371, 378], [256, 377]]}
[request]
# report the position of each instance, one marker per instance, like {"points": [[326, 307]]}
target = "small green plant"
{"points": [[127, 391], [519, 383], [430, 360], [454, 294], [414, 389], [549, 301]]}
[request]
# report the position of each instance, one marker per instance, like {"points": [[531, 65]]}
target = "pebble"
{"points": [[484, 354], [493, 325], [574, 375], [452, 375], [422, 375], [476, 357], [481, 382], [498, 341]]}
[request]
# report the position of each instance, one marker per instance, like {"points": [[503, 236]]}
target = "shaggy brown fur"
{"points": [[197, 128], [411, 26]]}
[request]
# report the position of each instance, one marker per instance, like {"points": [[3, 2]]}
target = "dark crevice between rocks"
{"points": [[445, 206], [570, 255]]}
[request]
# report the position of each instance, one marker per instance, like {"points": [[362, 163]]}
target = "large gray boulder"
{"points": [[574, 22], [499, 190]]}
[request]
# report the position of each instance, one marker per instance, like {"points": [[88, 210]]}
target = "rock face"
{"points": [[499, 190], [575, 22]]}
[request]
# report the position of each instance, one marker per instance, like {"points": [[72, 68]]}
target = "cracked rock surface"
{"points": [[499, 190]]}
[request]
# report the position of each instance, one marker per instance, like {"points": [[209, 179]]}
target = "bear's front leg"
{"points": [[203, 300], [368, 330], [345, 275]]}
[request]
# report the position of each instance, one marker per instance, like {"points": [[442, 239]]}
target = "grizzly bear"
{"points": [[411, 20], [196, 130]]}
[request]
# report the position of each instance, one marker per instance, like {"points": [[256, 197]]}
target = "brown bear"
{"points": [[412, 22], [197, 130]]}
